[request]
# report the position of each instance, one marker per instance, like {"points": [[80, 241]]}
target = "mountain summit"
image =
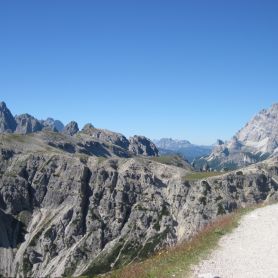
{"points": [[256, 141], [7, 121], [261, 133]]}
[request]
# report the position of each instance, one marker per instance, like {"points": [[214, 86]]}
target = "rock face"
{"points": [[182, 147], [88, 129], [140, 145], [254, 142], [66, 215], [261, 133], [51, 124], [27, 124], [71, 128], [7, 121], [137, 145], [106, 136]]}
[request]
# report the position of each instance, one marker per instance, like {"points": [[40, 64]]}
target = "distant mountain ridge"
{"points": [[256, 141], [89, 140], [183, 147], [25, 123], [172, 144]]}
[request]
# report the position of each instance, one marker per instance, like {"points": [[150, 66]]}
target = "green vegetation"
{"points": [[220, 209], [26, 265], [103, 262], [174, 160], [15, 138], [177, 261], [193, 176]]}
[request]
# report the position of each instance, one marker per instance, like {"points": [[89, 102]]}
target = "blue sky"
{"points": [[197, 70]]}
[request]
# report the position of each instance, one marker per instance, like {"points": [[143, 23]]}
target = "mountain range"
{"points": [[188, 151], [84, 202], [89, 140]]}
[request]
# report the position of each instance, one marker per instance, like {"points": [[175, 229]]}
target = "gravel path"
{"points": [[250, 251]]}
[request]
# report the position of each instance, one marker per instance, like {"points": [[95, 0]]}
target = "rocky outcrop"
{"points": [[7, 121], [106, 136], [88, 129], [137, 145], [64, 214], [51, 124], [261, 132], [256, 141], [27, 124], [140, 145], [71, 128]]}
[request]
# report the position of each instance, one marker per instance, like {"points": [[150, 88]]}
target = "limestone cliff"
{"points": [[70, 213]]}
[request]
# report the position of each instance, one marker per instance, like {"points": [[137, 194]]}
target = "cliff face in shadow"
{"points": [[12, 231]]}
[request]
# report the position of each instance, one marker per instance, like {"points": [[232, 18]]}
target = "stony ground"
{"points": [[251, 251]]}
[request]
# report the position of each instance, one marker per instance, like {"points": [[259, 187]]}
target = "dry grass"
{"points": [[177, 261]]}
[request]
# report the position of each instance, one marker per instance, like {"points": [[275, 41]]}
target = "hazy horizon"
{"points": [[193, 70]]}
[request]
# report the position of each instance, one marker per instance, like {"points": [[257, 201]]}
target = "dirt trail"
{"points": [[250, 251]]}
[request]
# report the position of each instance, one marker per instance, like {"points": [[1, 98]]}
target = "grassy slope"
{"points": [[201, 175], [177, 261], [174, 160]]}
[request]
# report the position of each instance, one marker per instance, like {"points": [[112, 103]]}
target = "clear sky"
{"points": [[197, 69]]}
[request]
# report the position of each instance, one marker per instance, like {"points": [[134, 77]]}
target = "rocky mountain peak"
{"points": [[2, 105], [52, 124], [88, 129], [274, 107], [140, 145], [7, 121], [262, 131], [71, 128], [219, 142], [256, 141], [27, 124]]}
